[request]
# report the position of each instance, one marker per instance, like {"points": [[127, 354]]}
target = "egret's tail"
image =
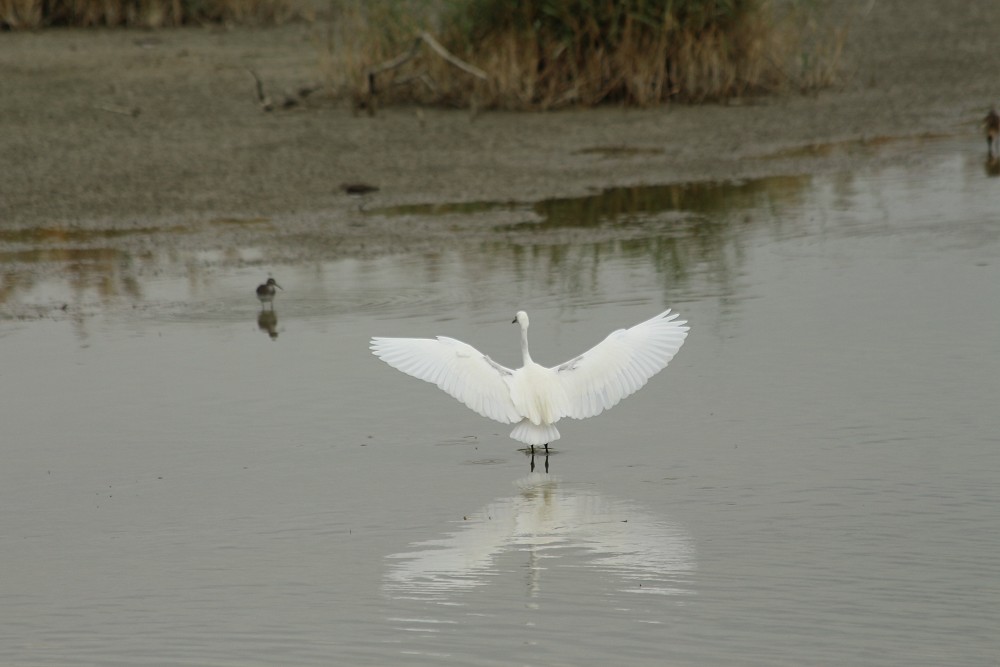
{"points": [[534, 434]]}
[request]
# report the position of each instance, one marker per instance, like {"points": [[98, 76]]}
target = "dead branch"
{"points": [[423, 77], [265, 102], [460, 64], [288, 100], [398, 61], [412, 52]]}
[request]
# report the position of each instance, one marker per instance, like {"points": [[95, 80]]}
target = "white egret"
{"points": [[535, 397], [266, 291]]}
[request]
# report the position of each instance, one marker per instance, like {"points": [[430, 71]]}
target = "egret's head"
{"points": [[521, 318]]}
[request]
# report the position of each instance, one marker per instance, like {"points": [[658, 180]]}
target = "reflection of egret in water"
{"points": [[267, 320], [547, 522]]}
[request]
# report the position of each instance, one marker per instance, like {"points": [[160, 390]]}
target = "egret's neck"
{"points": [[524, 346]]}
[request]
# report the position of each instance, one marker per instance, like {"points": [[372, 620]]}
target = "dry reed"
{"points": [[545, 54], [34, 14]]}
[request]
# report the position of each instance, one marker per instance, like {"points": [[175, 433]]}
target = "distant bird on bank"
{"points": [[992, 122], [535, 397], [266, 292]]}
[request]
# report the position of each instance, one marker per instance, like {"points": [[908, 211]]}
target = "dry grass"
{"points": [[537, 54], [34, 14], [360, 35], [545, 54]]}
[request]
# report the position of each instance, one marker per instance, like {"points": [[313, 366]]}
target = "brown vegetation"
{"points": [[531, 54], [544, 54], [33, 14]]}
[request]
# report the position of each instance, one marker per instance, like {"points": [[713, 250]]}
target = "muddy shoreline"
{"points": [[160, 130]]}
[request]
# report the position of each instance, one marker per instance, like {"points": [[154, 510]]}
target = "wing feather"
{"points": [[620, 365], [459, 369]]}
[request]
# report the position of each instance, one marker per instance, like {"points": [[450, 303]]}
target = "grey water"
{"points": [[813, 479]]}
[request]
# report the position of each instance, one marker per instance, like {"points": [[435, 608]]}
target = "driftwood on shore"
{"points": [[287, 101], [408, 55], [366, 100], [411, 53]]}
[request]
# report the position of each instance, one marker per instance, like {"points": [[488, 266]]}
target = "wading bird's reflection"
{"points": [[543, 523], [545, 452], [992, 166], [267, 320]]}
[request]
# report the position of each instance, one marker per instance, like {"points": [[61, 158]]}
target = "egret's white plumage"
{"points": [[535, 397]]}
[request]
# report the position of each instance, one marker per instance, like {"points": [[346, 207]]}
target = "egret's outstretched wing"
{"points": [[620, 365], [458, 368]]}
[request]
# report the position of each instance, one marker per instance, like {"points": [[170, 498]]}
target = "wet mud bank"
{"points": [[128, 142]]}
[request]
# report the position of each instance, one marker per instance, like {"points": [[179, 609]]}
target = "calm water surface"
{"points": [[813, 481]]}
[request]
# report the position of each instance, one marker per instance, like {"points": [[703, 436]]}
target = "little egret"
{"points": [[535, 397], [266, 292]]}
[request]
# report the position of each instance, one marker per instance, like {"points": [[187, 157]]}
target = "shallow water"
{"points": [[811, 481]]}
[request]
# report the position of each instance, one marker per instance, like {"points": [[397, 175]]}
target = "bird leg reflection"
{"points": [[546, 458]]}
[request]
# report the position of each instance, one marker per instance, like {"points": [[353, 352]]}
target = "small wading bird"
{"points": [[266, 291], [992, 122], [535, 397]]}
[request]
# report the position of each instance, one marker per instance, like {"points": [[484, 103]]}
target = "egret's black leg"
{"points": [[533, 459]]}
